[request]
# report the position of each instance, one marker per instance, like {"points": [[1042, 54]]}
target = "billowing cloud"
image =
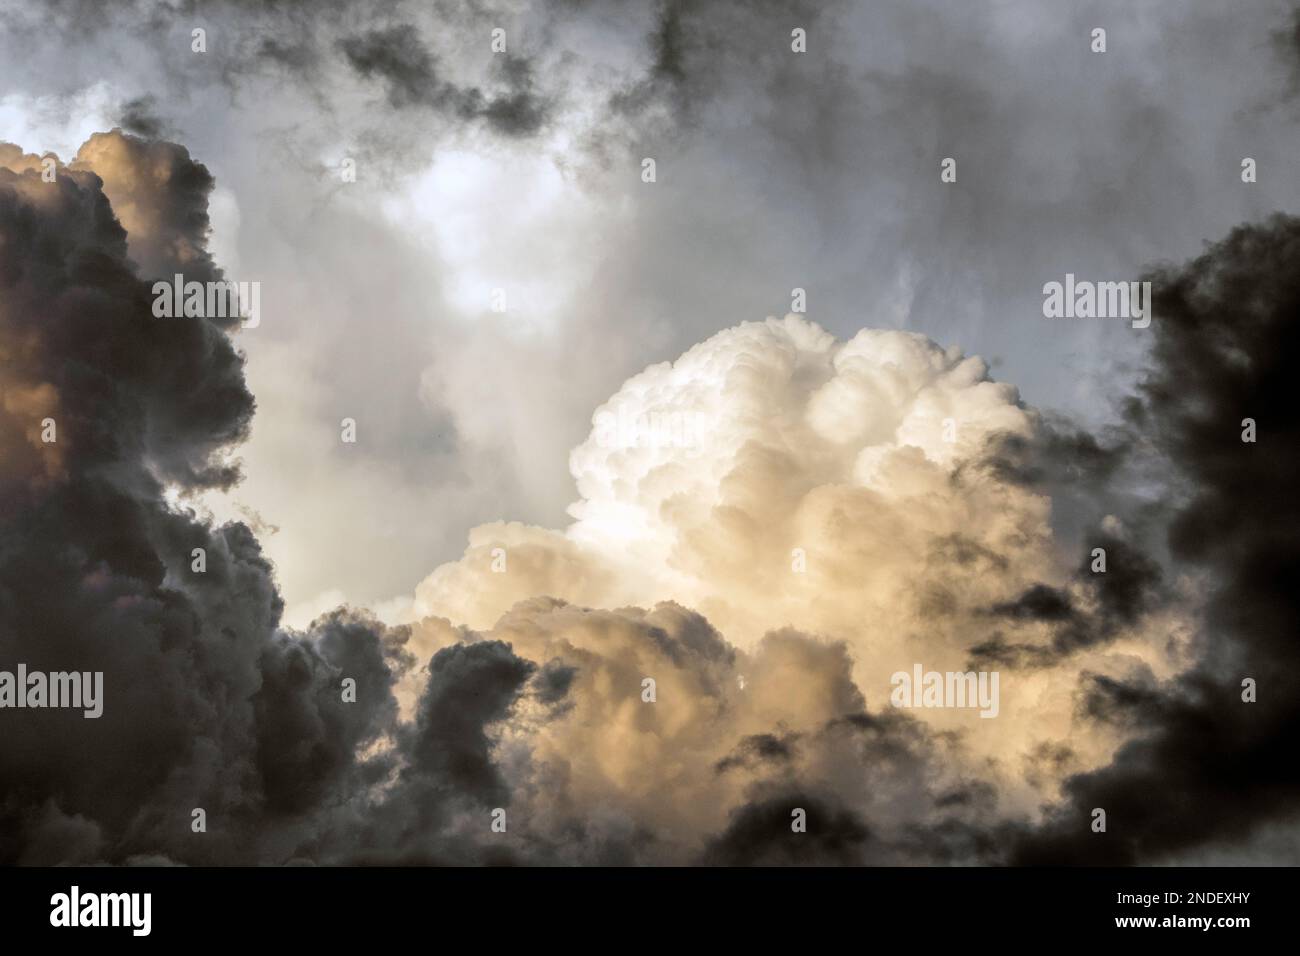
{"points": [[1207, 768], [774, 477], [776, 170], [767, 527], [97, 568], [859, 467]]}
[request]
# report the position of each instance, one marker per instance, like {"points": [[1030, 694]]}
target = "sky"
{"points": [[818, 171], [500, 302]]}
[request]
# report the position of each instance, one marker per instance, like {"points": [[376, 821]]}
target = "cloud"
{"points": [[761, 189], [160, 196], [768, 526], [612, 777], [775, 477], [139, 117], [210, 703], [1208, 767], [199, 684], [397, 56]]}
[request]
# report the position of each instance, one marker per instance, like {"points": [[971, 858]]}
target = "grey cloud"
{"points": [[824, 176]]}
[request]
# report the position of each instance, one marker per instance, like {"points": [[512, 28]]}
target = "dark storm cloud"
{"points": [[1208, 766], [173, 392], [520, 111], [553, 682], [1089, 475], [1058, 453], [314, 742], [317, 45], [1039, 603], [761, 834], [397, 56], [81, 563], [949, 822], [207, 702], [1130, 587], [410, 73], [758, 748], [689, 50], [139, 117], [693, 48], [470, 686], [1132, 584], [667, 78]]}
